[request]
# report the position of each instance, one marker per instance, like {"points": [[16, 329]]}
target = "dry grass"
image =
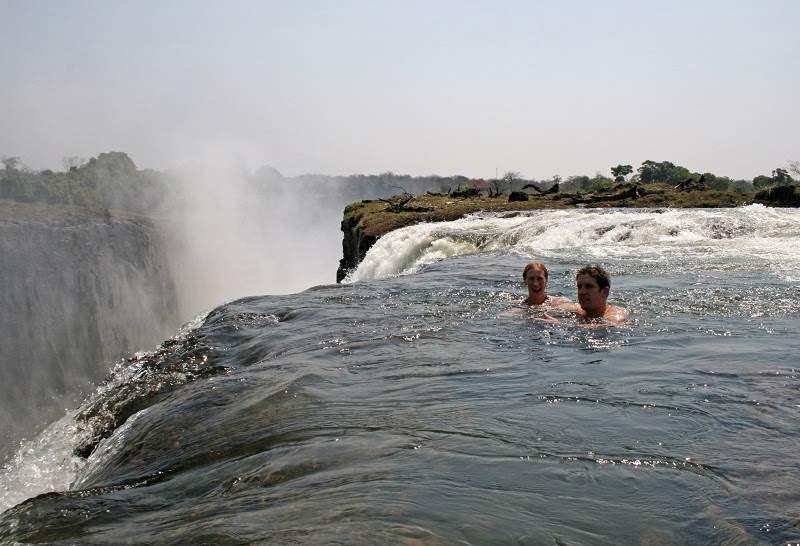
{"points": [[375, 220]]}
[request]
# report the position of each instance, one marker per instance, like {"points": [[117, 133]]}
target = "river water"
{"points": [[419, 404]]}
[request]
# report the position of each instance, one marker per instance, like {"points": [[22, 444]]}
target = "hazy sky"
{"points": [[412, 87]]}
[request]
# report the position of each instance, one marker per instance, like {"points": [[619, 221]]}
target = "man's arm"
{"points": [[566, 305]]}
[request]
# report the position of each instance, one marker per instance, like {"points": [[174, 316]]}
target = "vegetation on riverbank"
{"points": [[112, 181], [381, 216]]}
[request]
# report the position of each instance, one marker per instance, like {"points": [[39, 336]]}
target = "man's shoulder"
{"points": [[615, 313]]}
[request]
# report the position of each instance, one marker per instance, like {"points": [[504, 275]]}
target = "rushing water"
{"points": [[416, 409]]}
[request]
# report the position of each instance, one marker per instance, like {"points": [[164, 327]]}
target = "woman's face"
{"points": [[536, 280]]}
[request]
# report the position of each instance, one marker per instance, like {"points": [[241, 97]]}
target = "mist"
{"points": [[230, 233], [78, 290], [107, 260]]}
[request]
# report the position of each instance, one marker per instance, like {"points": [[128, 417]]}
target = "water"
{"points": [[415, 408]]}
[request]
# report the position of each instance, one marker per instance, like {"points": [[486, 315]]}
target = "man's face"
{"points": [[536, 280], [590, 295]]}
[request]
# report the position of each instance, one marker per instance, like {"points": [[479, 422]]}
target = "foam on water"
{"points": [[44, 464], [48, 462], [752, 236]]}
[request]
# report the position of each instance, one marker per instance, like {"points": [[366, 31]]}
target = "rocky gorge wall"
{"points": [[79, 289]]}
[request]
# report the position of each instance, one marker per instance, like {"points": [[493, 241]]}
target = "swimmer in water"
{"points": [[593, 285], [535, 277]]}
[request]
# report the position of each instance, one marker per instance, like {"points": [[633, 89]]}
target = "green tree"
{"points": [[664, 171], [762, 181], [585, 183], [741, 186], [719, 183], [781, 177], [620, 172]]}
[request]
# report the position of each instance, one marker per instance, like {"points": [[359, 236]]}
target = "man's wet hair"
{"points": [[596, 272], [535, 265]]}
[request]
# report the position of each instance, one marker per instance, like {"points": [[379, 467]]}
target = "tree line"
{"points": [[112, 181], [666, 172], [109, 181]]}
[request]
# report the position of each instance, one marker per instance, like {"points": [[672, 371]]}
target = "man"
{"points": [[593, 285], [535, 276]]}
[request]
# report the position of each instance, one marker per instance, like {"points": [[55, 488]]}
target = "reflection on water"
{"points": [[415, 410]]}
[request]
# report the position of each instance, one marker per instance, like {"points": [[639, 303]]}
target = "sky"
{"points": [[461, 87]]}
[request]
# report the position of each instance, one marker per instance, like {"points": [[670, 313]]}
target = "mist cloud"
{"points": [[231, 233]]}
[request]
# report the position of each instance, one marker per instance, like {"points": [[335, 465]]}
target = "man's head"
{"points": [[535, 273], [593, 286]]}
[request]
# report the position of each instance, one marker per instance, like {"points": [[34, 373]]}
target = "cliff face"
{"points": [[78, 289], [355, 242]]}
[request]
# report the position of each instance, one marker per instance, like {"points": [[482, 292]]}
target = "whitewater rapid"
{"points": [[695, 239]]}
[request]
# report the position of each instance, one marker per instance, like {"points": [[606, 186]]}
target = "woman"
{"points": [[535, 276]]}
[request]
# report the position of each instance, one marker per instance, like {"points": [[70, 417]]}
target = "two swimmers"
{"points": [[592, 285]]}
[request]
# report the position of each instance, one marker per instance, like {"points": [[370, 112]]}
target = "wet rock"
{"points": [[355, 244]]}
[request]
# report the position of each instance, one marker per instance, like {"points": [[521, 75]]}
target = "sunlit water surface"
{"points": [[428, 408]]}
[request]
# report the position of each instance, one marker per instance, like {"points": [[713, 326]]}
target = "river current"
{"points": [[419, 403]]}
